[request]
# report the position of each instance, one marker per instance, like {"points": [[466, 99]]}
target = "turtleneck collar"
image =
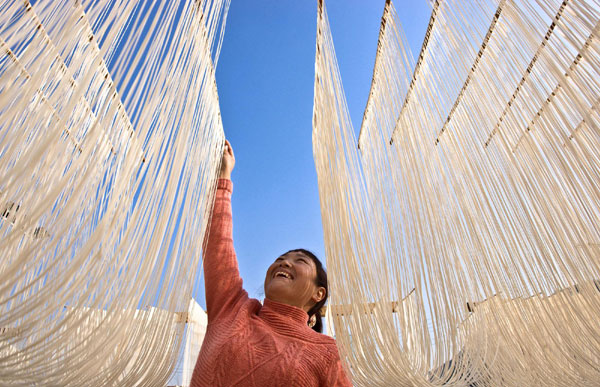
{"points": [[279, 313]]}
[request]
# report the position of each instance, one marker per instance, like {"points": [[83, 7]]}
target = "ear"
{"points": [[319, 294]]}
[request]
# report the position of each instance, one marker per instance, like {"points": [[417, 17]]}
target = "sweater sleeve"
{"points": [[222, 281], [337, 375]]}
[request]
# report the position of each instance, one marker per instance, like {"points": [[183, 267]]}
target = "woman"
{"points": [[249, 344]]}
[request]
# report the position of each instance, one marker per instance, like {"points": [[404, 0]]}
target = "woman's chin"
{"points": [[278, 291]]}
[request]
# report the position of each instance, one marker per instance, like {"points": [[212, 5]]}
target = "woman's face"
{"points": [[291, 280]]}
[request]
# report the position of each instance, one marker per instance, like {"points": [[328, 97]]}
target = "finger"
{"points": [[228, 147]]}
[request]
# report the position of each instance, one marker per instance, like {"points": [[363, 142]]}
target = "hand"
{"points": [[227, 162]]}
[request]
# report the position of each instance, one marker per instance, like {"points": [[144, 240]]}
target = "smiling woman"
{"points": [[298, 278], [249, 344]]}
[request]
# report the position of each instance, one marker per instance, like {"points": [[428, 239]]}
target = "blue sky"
{"points": [[265, 80]]}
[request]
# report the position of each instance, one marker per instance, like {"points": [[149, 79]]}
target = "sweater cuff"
{"points": [[225, 184]]}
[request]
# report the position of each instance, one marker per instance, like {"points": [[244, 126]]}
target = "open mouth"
{"points": [[282, 274]]}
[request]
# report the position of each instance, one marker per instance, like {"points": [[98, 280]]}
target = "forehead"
{"points": [[298, 255]]}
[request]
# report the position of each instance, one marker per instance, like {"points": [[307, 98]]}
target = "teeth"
{"points": [[286, 275]]}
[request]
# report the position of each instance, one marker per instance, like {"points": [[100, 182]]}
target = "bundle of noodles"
{"points": [[461, 229], [110, 138]]}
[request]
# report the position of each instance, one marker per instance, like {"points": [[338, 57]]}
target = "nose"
{"points": [[285, 262]]}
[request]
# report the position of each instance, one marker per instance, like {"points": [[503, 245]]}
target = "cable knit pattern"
{"points": [[249, 344]]}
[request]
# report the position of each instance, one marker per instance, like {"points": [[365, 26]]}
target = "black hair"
{"points": [[320, 281]]}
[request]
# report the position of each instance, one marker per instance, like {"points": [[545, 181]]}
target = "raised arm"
{"points": [[222, 281]]}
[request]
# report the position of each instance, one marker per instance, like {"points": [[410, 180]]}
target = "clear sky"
{"points": [[265, 80]]}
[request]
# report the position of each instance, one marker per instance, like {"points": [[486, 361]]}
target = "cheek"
{"points": [[306, 280]]}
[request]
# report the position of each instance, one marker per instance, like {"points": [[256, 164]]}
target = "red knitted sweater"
{"points": [[249, 344]]}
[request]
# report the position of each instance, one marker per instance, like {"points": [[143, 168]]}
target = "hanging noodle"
{"points": [[461, 234], [110, 139]]}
